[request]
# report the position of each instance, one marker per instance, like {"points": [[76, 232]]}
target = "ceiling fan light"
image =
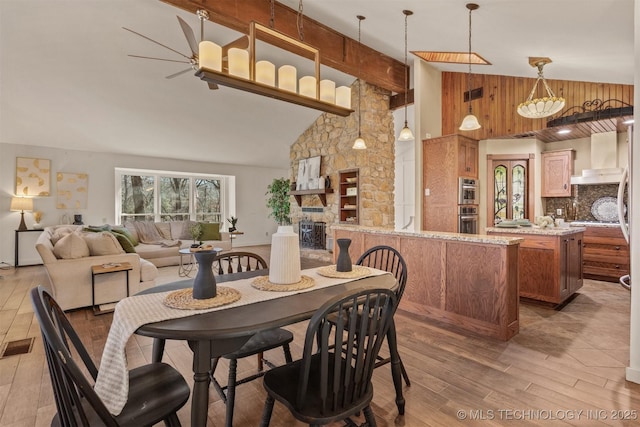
{"points": [[470, 122], [359, 144], [406, 134]]}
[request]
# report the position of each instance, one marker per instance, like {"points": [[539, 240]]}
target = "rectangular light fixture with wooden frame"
{"points": [[451, 57], [250, 84]]}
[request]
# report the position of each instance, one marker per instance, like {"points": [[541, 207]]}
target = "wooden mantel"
{"points": [[321, 193]]}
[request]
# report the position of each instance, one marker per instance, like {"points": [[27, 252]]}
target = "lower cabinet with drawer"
{"points": [[605, 254]]}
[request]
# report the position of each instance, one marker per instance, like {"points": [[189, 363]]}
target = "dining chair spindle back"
{"points": [[156, 391], [326, 385]]}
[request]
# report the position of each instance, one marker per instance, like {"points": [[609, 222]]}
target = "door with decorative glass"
{"points": [[509, 192]]}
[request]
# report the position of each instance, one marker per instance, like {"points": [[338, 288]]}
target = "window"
{"points": [[510, 181], [144, 195]]}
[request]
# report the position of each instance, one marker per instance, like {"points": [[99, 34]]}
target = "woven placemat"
{"points": [[263, 283], [183, 299], [356, 272]]}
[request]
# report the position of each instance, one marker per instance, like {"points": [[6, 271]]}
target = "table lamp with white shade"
{"points": [[21, 204]]}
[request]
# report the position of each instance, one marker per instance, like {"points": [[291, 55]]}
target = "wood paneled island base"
{"points": [[466, 280]]}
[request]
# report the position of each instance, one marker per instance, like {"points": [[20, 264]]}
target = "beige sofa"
{"points": [[162, 256], [69, 267]]}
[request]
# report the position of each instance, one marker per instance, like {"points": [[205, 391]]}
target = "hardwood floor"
{"points": [[565, 367]]}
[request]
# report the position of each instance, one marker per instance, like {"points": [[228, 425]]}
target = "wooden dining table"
{"points": [[216, 333]]}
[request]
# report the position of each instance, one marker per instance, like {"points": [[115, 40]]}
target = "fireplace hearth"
{"points": [[312, 234]]}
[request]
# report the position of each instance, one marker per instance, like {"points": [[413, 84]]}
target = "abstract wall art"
{"points": [[72, 190], [33, 177]]}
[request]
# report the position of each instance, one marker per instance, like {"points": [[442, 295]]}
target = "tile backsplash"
{"points": [[583, 197]]}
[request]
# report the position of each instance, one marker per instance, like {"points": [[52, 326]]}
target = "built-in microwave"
{"points": [[468, 192]]}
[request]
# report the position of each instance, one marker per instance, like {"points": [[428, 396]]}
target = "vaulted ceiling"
{"points": [[66, 80]]}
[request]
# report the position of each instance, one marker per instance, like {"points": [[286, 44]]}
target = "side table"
{"points": [[233, 234], [185, 269], [16, 262], [106, 269]]}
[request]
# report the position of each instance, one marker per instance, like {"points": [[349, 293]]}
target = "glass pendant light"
{"points": [[359, 143], [406, 134], [470, 122]]}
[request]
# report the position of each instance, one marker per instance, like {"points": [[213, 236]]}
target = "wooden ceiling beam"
{"points": [[336, 50]]}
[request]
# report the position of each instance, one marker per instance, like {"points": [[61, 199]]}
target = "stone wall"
{"points": [[331, 137]]}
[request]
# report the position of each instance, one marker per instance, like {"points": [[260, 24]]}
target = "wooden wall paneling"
{"points": [[470, 290], [424, 278], [502, 94]]}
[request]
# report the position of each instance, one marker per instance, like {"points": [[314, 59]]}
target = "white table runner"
{"points": [[112, 384]]}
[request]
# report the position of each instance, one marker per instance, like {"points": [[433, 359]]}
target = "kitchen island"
{"points": [[550, 261], [467, 280]]}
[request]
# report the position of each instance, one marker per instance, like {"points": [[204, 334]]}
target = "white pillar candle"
{"points": [[209, 56], [308, 86], [239, 62], [343, 96], [266, 73], [328, 91], [287, 78]]}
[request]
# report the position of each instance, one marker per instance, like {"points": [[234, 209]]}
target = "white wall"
{"points": [[251, 186], [633, 370]]}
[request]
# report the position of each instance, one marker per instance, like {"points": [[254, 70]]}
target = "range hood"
{"points": [[604, 161]]}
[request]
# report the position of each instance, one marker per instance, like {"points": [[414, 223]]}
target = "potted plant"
{"points": [[284, 263], [278, 201], [195, 229], [233, 221]]}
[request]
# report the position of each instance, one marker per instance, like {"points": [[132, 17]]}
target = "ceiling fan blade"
{"points": [[158, 43], [212, 86], [159, 59], [178, 73], [188, 33]]}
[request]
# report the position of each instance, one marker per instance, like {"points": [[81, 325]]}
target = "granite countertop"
{"points": [[471, 238], [553, 231], [594, 224]]}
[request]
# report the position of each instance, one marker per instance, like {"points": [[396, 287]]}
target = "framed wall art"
{"points": [[308, 173], [33, 177], [72, 190]]}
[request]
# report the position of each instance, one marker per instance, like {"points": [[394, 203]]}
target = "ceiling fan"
{"points": [[203, 15]]}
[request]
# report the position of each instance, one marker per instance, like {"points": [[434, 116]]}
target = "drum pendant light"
{"points": [[470, 122], [406, 134]]}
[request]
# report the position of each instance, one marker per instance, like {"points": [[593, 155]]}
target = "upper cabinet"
{"points": [[557, 167], [445, 160], [467, 157]]}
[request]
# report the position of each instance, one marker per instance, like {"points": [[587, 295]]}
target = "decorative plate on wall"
{"points": [[606, 209]]}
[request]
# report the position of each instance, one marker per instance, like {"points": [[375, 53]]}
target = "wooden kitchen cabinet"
{"points": [[444, 160], [606, 254], [557, 167], [467, 157], [550, 266]]}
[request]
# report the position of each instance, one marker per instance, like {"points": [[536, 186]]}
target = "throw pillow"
{"points": [[165, 229], [71, 246], [60, 233], [102, 243], [186, 233], [124, 241], [210, 231], [127, 233]]}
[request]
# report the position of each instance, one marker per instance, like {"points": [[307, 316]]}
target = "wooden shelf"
{"points": [[321, 193], [349, 203]]}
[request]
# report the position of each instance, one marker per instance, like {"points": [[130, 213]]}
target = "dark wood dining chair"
{"points": [[389, 259], [235, 262], [326, 385], [156, 391]]}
